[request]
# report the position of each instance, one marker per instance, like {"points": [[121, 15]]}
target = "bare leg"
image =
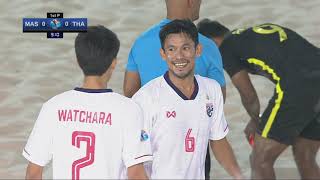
{"points": [[305, 151], [265, 152]]}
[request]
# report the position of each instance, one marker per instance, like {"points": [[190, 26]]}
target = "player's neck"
{"points": [[185, 85], [177, 14], [173, 17], [94, 82]]}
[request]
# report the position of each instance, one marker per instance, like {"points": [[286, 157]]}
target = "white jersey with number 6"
{"points": [[89, 134], [180, 128]]}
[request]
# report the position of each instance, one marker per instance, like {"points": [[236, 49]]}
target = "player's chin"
{"points": [[182, 74]]}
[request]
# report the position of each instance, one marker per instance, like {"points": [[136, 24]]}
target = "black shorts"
{"points": [[294, 113]]}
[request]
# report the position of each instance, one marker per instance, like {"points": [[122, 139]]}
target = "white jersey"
{"points": [[180, 128], [89, 134]]}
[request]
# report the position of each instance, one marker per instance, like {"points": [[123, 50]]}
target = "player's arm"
{"points": [[218, 141], [34, 171], [137, 172], [131, 83], [224, 92], [225, 156], [38, 150], [215, 70], [248, 94], [137, 147], [249, 100], [216, 74]]}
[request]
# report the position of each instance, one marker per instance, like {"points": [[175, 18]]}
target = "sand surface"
{"points": [[33, 68]]}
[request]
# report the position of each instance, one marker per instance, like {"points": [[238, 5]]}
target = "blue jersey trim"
{"points": [[93, 90]]}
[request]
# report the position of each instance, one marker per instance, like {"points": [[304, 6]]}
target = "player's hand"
{"points": [[250, 130], [239, 176]]}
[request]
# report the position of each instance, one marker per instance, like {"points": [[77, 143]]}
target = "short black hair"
{"points": [[212, 29], [96, 49], [179, 26]]}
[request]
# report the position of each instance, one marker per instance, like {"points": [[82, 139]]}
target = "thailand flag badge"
{"points": [[144, 136], [209, 109]]}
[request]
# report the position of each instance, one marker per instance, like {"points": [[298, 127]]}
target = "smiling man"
{"points": [[184, 111], [145, 63]]}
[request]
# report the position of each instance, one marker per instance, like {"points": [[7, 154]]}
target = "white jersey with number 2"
{"points": [[180, 128], [89, 134]]}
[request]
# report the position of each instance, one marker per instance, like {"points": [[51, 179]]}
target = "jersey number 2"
{"points": [[89, 138], [189, 142]]}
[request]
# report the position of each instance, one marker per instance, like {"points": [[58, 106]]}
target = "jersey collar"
{"points": [[93, 90], [170, 83]]}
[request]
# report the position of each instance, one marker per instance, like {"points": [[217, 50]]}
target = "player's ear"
{"points": [[198, 50], [163, 54]]}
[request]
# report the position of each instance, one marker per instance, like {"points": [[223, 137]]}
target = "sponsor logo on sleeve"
{"points": [[209, 108], [144, 136]]}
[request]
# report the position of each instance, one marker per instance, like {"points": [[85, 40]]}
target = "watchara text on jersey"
{"points": [[88, 136]]}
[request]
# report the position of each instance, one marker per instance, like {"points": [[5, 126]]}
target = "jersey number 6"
{"points": [[189, 142], [89, 138]]}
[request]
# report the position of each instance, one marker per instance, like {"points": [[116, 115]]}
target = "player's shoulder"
{"points": [[209, 86], [234, 41], [149, 90], [126, 103], [69, 95], [208, 45], [150, 34], [60, 97], [151, 87], [151, 31], [206, 42], [207, 82], [204, 39]]}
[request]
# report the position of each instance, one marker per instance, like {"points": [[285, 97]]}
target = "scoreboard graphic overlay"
{"points": [[54, 25]]}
